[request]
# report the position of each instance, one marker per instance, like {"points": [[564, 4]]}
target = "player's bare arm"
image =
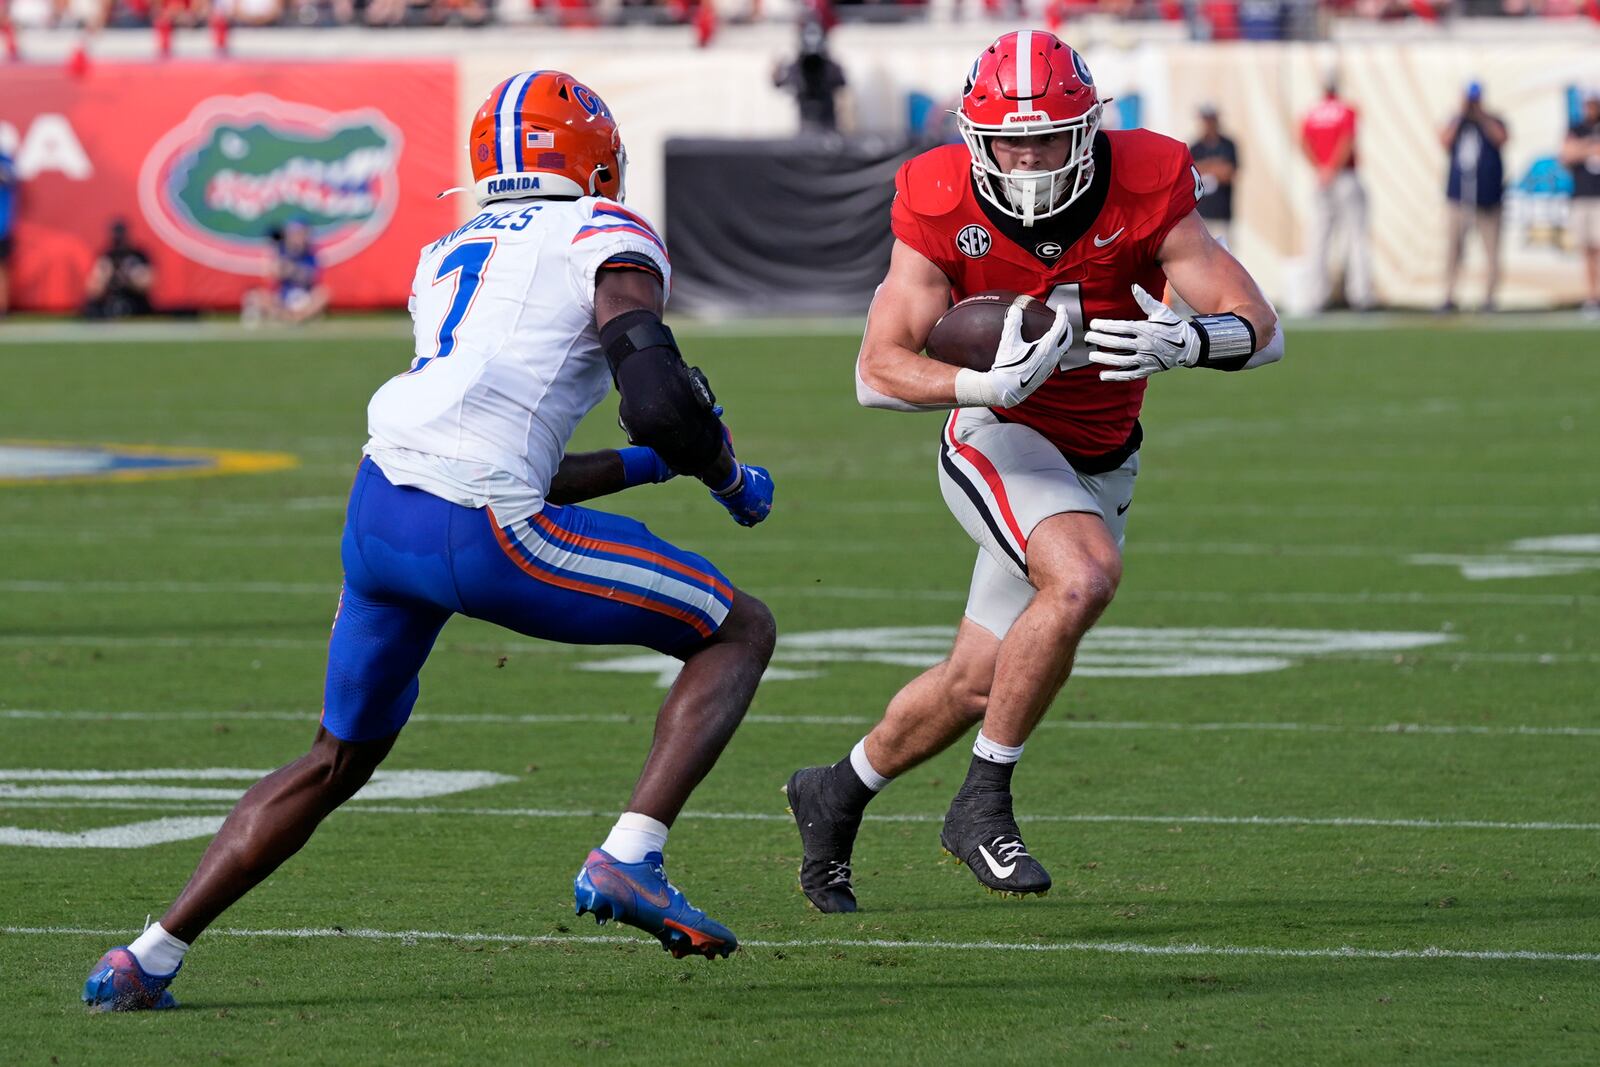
{"points": [[1237, 329], [587, 475], [1212, 281], [891, 371], [667, 406]]}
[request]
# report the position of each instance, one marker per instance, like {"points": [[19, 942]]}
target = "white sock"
{"points": [[864, 769], [995, 752], [157, 951], [636, 836]]}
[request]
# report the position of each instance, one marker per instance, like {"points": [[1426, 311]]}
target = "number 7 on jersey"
{"points": [[464, 266]]}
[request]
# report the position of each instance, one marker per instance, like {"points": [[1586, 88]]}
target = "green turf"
{"points": [[1289, 499]]}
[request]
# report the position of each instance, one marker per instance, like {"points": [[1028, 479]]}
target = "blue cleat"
{"points": [[118, 983], [639, 894]]}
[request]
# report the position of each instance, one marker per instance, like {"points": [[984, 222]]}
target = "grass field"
{"points": [[1317, 795]]}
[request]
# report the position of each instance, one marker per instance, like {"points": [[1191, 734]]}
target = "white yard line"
{"points": [[531, 648], [1133, 595], [52, 586], [1248, 821], [1109, 948], [498, 719], [55, 586]]}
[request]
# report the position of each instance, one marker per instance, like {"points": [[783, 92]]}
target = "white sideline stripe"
{"points": [[1336, 822], [1112, 948], [848, 327], [493, 719], [386, 328]]}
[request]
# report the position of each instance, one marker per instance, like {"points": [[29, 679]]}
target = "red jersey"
{"points": [[1088, 258], [1326, 127]]}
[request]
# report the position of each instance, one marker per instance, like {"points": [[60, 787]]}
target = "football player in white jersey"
{"points": [[464, 502]]}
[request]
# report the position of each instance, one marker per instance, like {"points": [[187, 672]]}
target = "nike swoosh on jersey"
{"points": [[1101, 242], [1121, 508], [999, 871]]}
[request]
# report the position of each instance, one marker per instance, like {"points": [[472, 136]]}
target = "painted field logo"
{"points": [[33, 462], [157, 788], [237, 168]]}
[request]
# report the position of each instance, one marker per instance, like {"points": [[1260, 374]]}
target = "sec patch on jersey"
{"points": [[969, 333]]}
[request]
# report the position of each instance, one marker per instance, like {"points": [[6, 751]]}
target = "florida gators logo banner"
{"points": [[205, 161], [239, 168]]}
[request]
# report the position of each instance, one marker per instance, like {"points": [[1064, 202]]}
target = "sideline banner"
{"points": [[205, 159]]}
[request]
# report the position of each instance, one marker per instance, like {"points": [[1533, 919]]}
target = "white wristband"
{"points": [[973, 389]]}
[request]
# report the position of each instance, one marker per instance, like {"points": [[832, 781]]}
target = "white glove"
{"points": [[1019, 367], [1137, 349]]}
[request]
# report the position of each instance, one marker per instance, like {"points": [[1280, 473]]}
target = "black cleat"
{"points": [[827, 834], [981, 832]]}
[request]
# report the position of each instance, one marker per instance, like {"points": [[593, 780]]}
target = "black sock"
{"points": [[986, 776], [848, 789]]}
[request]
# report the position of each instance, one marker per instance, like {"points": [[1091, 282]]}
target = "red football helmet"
{"points": [[1026, 84], [544, 133]]}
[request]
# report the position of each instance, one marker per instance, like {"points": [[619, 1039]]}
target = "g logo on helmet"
{"points": [[1082, 68], [974, 241]]}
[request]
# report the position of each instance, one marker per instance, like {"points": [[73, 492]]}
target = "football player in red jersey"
{"points": [[1038, 458]]}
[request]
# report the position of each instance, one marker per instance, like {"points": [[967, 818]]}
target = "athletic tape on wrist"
{"points": [[973, 390]]}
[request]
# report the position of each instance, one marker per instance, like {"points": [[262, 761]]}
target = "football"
{"points": [[968, 334]]}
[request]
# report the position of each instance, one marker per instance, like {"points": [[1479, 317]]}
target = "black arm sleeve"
{"points": [[665, 404]]}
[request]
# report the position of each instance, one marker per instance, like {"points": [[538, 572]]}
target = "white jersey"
{"points": [[508, 358]]}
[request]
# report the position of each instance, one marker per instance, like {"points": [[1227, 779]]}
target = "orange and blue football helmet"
{"points": [[544, 133]]}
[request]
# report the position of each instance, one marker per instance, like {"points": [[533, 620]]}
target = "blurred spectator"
{"points": [[119, 283], [814, 79], [1328, 138], [1217, 159], [1581, 153], [1475, 189], [250, 12], [294, 292], [8, 212]]}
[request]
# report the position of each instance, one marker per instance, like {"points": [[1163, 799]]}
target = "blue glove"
{"points": [[641, 466], [749, 498]]}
